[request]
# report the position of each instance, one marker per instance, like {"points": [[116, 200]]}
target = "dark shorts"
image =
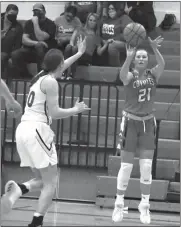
{"points": [[135, 134]]}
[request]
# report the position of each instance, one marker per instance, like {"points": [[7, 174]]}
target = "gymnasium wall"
{"points": [[54, 9]]}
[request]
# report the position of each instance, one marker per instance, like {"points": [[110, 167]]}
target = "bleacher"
{"points": [[167, 107]]}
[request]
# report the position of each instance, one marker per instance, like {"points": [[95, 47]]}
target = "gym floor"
{"points": [[76, 214]]}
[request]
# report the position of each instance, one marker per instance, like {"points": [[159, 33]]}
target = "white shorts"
{"points": [[35, 145]]}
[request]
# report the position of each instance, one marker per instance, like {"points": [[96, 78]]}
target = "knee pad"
{"points": [[145, 171], [124, 175]]}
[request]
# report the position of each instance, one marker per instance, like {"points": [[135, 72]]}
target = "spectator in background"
{"points": [[11, 34], [143, 13], [84, 8], [38, 38], [65, 26], [91, 31], [113, 44], [119, 5]]}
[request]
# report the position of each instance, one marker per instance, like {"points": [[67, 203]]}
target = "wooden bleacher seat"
{"points": [[106, 186], [168, 94], [170, 77]]}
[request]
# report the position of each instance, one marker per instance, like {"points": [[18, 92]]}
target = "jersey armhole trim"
{"points": [[41, 84], [153, 76]]}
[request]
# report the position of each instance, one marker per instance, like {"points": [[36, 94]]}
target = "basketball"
{"points": [[134, 34]]}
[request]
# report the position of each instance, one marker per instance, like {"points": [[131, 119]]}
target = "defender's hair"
{"points": [[51, 61]]}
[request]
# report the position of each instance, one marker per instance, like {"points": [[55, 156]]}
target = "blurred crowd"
{"points": [[24, 42]]}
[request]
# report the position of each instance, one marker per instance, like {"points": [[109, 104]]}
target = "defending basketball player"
{"points": [[34, 137], [138, 125], [11, 103]]}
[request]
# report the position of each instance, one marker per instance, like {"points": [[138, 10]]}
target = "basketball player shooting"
{"points": [[138, 125], [34, 137], [11, 103]]}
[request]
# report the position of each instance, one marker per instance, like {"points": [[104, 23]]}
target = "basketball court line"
{"points": [[95, 215], [21, 207], [80, 214]]}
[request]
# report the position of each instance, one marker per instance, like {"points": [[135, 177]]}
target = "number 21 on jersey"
{"points": [[144, 95]]}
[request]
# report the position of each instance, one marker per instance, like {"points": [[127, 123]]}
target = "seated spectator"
{"points": [[119, 5], [113, 44], [143, 13], [11, 34], [91, 32], [65, 26], [84, 8], [38, 38]]}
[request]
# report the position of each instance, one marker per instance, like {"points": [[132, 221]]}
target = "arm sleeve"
{"points": [[51, 29], [18, 41], [28, 26], [78, 23]]}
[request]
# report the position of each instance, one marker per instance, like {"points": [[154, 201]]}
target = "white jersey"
{"points": [[36, 108]]}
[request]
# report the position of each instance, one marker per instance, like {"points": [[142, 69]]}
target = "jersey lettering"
{"points": [[30, 99], [139, 83], [61, 29], [108, 29]]}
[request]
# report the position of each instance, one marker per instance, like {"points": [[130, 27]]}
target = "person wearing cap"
{"points": [[11, 35], [38, 38]]}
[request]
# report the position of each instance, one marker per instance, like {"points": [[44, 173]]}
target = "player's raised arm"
{"points": [[124, 74], [81, 44], [11, 103], [50, 86], [159, 68]]}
